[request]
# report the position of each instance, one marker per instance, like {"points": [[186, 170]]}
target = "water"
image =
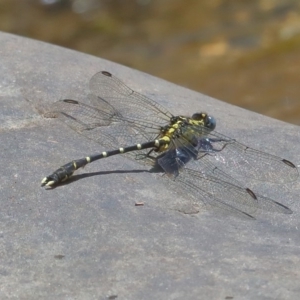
{"points": [[243, 52]]}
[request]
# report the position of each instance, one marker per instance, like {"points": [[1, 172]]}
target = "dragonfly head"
{"points": [[208, 121]]}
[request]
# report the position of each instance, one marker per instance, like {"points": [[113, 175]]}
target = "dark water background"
{"points": [[240, 51]]}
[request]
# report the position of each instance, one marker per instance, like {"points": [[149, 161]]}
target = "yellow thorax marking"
{"points": [[169, 133]]}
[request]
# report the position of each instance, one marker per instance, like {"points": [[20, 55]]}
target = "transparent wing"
{"points": [[131, 105], [105, 125], [217, 154], [230, 194], [209, 184], [137, 118], [219, 151], [80, 116]]}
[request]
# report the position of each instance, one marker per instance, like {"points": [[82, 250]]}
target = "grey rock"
{"points": [[86, 239]]}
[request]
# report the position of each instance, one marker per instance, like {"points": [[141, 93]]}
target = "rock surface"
{"points": [[87, 239]]}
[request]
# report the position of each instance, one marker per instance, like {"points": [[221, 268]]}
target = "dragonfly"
{"points": [[188, 150]]}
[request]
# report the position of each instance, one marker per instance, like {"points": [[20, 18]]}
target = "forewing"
{"points": [[131, 105], [236, 158]]}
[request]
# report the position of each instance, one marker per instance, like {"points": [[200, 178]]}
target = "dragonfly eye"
{"points": [[210, 122]]}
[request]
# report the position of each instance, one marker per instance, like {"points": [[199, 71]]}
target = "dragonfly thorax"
{"points": [[185, 131]]}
